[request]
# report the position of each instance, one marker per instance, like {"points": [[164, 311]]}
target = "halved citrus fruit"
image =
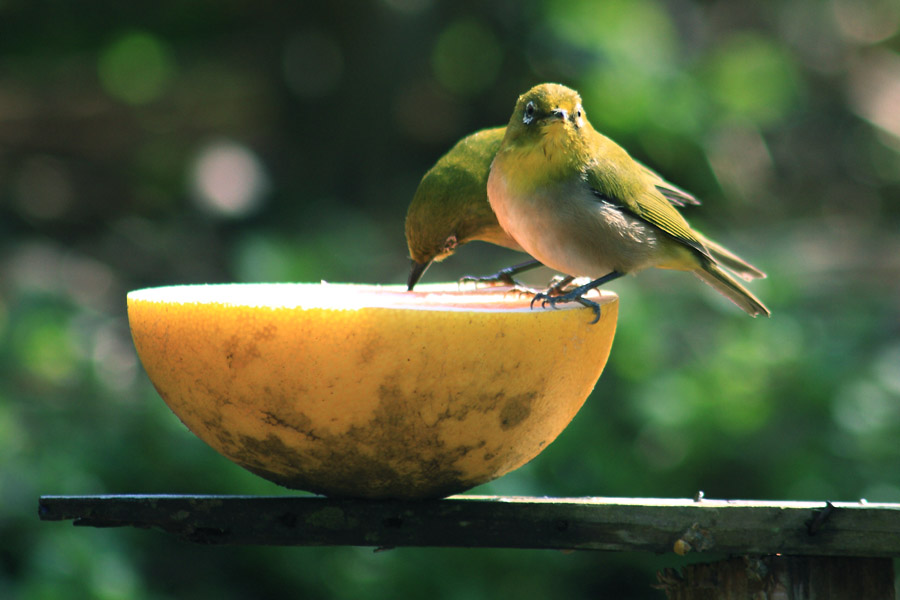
{"points": [[370, 391]]}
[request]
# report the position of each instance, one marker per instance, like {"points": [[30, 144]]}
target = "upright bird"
{"points": [[577, 202], [450, 207]]}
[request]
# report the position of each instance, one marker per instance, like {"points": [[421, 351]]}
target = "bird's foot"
{"points": [[545, 298], [558, 285], [503, 276], [500, 279], [576, 295]]}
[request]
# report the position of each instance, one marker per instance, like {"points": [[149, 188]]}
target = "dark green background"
{"points": [[783, 117]]}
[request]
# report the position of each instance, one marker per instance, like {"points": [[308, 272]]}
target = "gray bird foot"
{"points": [[503, 276], [573, 296], [576, 295]]}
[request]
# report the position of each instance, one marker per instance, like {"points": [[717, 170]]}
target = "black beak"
{"points": [[560, 114], [415, 273]]}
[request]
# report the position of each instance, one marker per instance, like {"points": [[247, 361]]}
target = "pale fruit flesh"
{"points": [[368, 391]]}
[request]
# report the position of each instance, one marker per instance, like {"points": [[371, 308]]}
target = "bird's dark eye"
{"points": [[578, 112], [529, 113], [450, 244]]}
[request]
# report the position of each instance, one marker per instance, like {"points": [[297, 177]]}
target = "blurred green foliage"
{"points": [[144, 145]]}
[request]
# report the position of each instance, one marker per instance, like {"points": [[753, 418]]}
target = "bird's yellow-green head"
{"points": [[450, 207], [550, 138], [548, 117]]}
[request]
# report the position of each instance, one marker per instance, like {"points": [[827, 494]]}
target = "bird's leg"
{"points": [[576, 295], [504, 276], [558, 284]]}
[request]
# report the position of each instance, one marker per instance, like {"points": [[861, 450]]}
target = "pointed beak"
{"points": [[560, 113], [415, 273]]}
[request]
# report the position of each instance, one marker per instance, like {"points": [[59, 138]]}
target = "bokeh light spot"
{"points": [[751, 77], [887, 369], [466, 58], [625, 109], [863, 408], [628, 33], [869, 22], [136, 68], [228, 180], [45, 347], [740, 159], [875, 90], [113, 357]]}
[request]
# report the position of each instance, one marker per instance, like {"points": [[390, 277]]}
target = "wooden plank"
{"points": [[617, 524]]}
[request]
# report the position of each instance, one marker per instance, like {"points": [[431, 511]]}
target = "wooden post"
{"points": [[782, 578]]}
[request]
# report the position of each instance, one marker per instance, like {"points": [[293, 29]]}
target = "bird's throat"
{"points": [[539, 163]]}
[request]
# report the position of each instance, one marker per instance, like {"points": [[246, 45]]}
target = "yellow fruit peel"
{"points": [[368, 391]]}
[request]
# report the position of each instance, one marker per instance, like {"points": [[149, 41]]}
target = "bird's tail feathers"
{"points": [[729, 287], [732, 261]]}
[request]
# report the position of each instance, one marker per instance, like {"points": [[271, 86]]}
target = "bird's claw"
{"points": [[559, 284], [544, 299], [572, 296], [499, 278]]}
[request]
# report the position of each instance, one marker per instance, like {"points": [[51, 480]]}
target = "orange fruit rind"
{"points": [[370, 391]]}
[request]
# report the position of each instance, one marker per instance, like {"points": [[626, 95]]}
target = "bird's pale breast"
{"points": [[566, 227]]}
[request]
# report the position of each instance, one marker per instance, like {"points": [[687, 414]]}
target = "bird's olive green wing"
{"points": [[640, 196], [673, 193]]}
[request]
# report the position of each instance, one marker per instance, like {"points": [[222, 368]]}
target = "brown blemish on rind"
{"points": [[386, 456], [516, 410], [345, 470], [358, 458], [369, 348], [239, 353], [298, 423]]}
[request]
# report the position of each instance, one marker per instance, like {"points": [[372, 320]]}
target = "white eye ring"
{"points": [[529, 113]]}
